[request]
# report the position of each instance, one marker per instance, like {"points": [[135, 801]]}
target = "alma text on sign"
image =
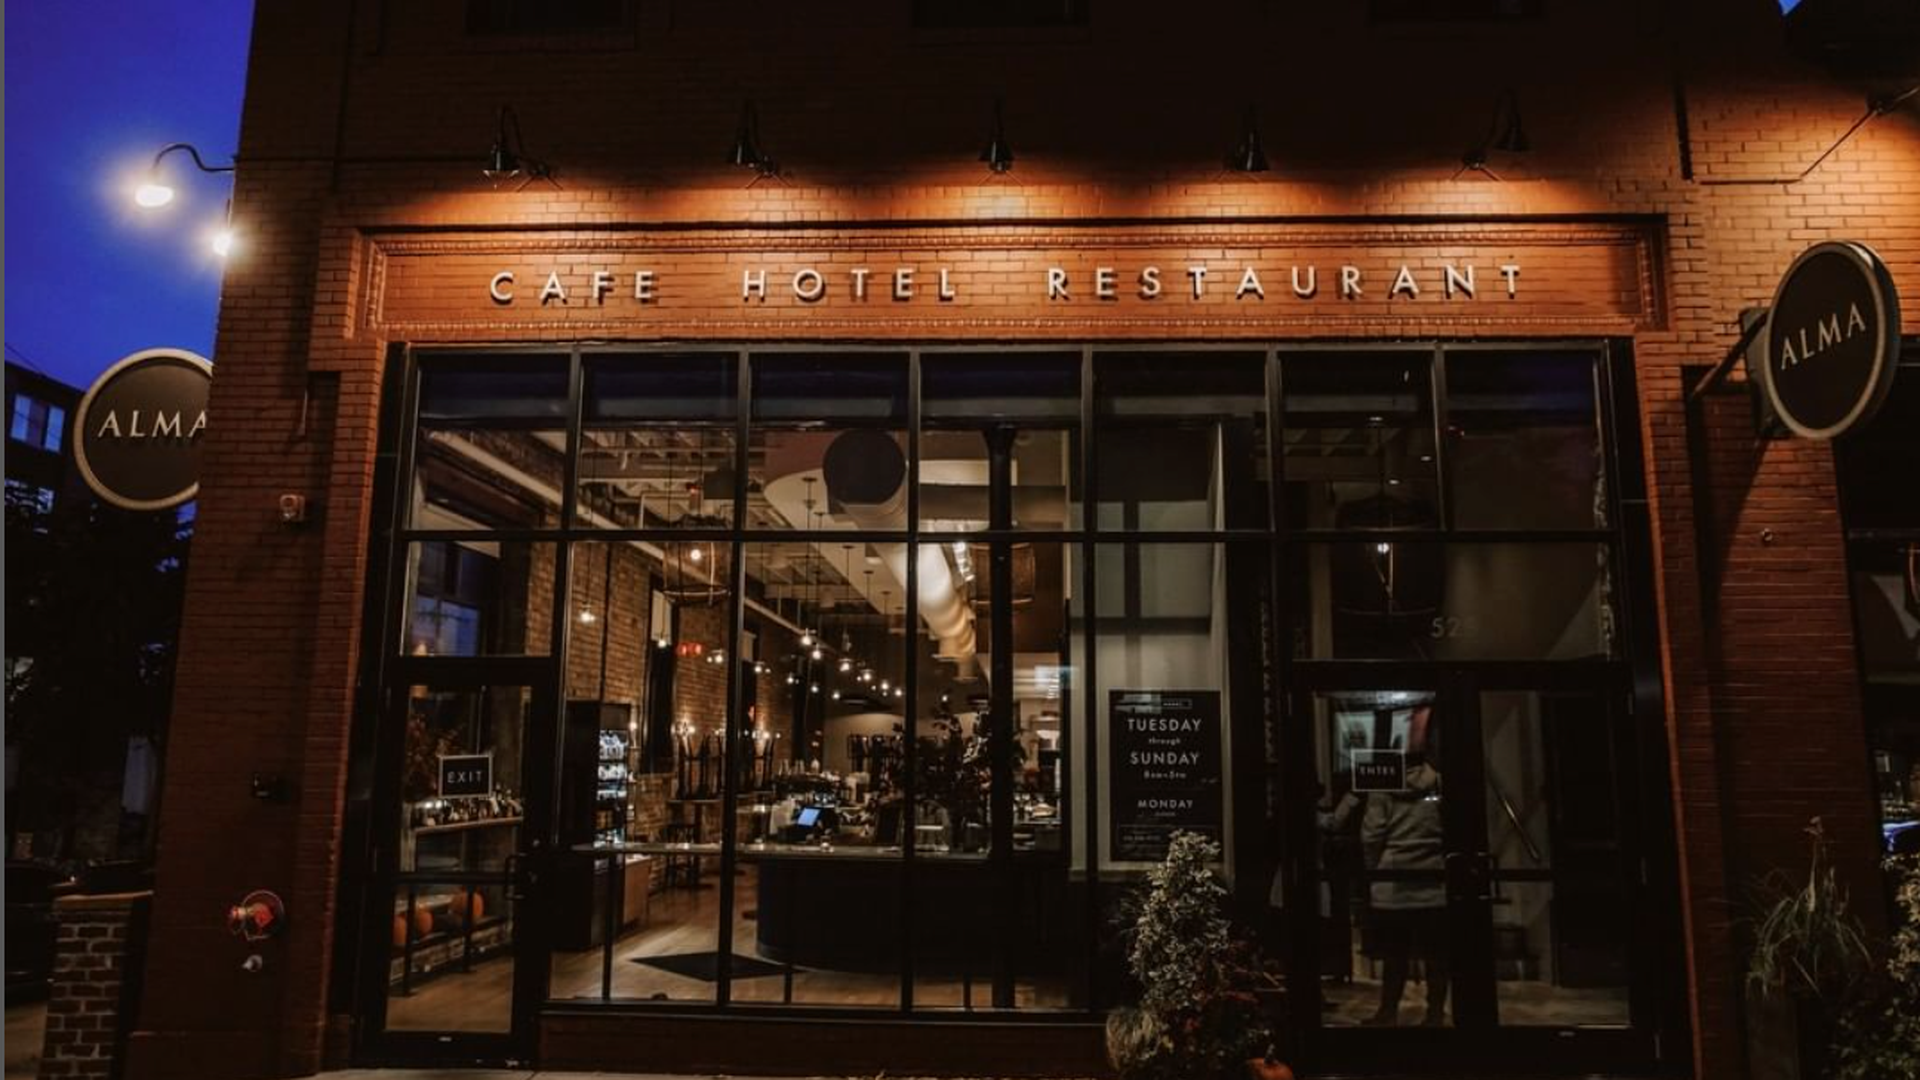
{"points": [[1827, 332], [158, 424]]}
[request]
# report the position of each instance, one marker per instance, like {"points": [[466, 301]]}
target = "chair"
{"points": [[682, 867]]}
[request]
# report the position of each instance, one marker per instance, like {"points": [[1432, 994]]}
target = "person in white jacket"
{"points": [[1401, 831]]}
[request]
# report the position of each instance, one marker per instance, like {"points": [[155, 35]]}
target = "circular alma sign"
{"points": [[139, 429], [1832, 339]]}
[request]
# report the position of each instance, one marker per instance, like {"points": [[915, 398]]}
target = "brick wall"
{"points": [[90, 1003], [355, 180]]}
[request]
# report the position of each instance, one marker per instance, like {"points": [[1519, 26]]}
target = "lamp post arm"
{"points": [[193, 153]]}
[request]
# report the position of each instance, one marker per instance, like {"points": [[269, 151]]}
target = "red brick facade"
{"points": [[365, 223]]}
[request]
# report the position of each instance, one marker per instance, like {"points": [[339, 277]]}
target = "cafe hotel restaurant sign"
{"points": [[139, 429]]}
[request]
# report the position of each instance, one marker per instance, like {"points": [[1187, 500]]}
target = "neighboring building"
{"points": [[41, 479], [40, 469], [656, 614], [87, 693]]}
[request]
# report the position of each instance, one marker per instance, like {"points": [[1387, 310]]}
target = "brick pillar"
{"points": [[91, 1008]]}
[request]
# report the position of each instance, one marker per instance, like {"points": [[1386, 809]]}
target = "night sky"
{"points": [[93, 89]]}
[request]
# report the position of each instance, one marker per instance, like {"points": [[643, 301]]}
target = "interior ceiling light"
{"points": [[509, 158], [1505, 134], [998, 154], [1247, 156]]}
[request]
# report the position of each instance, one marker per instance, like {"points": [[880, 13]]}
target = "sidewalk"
{"points": [[26, 1028]]}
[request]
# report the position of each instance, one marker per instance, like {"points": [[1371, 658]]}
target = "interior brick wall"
{"points": [[361, 121]]}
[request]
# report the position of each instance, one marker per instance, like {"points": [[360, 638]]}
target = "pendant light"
{"points": [[748, 153], [998, 154], [509, 158], [1248, 156], [1505, 134]]}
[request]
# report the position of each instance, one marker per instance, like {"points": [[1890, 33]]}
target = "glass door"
{"points": [[466, 808], [1476, 872]]}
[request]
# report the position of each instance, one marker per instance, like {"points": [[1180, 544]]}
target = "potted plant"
{"points": [[1809, 958], [1879, 1038], [1200, 1016]]}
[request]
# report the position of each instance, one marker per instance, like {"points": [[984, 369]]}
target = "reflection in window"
{"points": [[1358, 438], [479, 598], [1524, 440], [490, 449], [1413, 600], [1181, 440]]}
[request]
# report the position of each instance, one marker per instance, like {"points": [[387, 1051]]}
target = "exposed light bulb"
{"points": [[695, 555], [1383, 548], [806, 638], [816, 653], [153, 194], [587, 616], [222, 242], [846, 665]]}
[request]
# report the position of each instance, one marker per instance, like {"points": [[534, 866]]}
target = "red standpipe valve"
{"points": [[257, 917]]}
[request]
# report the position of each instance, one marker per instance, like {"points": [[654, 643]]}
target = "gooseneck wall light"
{"points": [[154, 192], [748, 150], [1247, 156], [1505, 134], [509, 158], [998, 153]]}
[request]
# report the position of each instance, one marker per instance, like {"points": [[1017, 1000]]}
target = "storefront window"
{"points": [[462, 807], [657, 441], [479, 598], [828, 445], [490, 445], [1181, 440], [1523, 440], [818, 751], [1423, 599], [1876, 466], [1359, 440], [974, 407]]}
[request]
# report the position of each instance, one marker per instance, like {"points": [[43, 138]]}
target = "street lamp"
{"points": [[154, 192]]}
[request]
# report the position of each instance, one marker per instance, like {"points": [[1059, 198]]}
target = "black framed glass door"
{"points": [[468, 808], [1476, 867]]}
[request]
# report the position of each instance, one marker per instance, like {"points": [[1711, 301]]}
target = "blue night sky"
{"points": [[93, 89]]}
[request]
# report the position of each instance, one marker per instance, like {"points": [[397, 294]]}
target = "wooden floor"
{"points": [[682, 921], [686, 921]]}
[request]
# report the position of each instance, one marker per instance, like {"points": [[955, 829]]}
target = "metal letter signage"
{"points": [[138, 440], [1832, 340]]}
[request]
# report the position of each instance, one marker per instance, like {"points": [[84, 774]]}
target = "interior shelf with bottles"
{"points": [[612, 786]]}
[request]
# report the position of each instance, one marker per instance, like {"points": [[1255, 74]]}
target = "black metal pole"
{"points": [[1003, 725]]}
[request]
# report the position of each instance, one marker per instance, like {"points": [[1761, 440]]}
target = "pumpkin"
{"points": [[399, 931], [422, 922], [1267, 1068], [458, 910]]}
